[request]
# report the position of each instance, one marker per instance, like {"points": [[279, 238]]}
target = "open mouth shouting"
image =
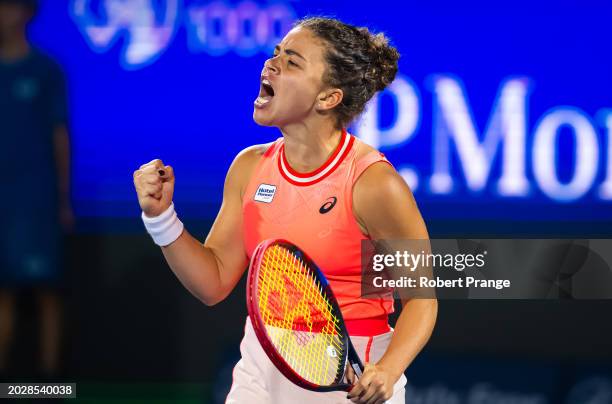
{"points": [[266, 93]]}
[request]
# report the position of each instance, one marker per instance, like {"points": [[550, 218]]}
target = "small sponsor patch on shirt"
{"points": [[265, 193]]}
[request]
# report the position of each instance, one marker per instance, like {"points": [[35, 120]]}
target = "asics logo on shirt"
{"points": [[328, 205]]}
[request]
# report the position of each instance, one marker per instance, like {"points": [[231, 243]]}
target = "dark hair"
{"points": [[360, 63]]}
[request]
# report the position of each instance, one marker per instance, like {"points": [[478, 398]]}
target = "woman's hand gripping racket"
{"points": [[297, 319]]}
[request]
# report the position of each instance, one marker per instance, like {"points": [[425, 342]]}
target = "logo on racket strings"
{"points": [[331, 351], [328, 205]]}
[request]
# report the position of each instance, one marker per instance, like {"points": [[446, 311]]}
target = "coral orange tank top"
{"points": [[314, 211]]}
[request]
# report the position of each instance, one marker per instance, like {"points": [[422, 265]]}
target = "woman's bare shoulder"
{"points": [[255, 151], [244, 164], [364, 149]]}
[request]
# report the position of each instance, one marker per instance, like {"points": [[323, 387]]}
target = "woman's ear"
{"points": [[328, 99]]}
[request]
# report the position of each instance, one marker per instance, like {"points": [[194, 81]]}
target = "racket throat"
{"points": [[356, 369]]}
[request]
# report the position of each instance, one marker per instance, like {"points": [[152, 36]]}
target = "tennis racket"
{"points": [[297, 319]]}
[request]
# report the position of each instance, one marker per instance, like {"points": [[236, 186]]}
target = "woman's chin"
{"points": [[262, 118]]}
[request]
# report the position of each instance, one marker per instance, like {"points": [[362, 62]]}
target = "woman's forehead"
{"points": [[304, 42]]}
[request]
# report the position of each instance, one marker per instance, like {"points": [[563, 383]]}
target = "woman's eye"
{"points": [[291, 63]]}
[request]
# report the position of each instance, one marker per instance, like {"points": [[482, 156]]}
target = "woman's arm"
{"points": [[385, 207], [210, 270]]}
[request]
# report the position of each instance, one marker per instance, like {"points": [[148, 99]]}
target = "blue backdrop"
{"points": [[500, 109]]}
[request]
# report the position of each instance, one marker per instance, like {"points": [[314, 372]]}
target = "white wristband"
{"points": [[165, 228]]}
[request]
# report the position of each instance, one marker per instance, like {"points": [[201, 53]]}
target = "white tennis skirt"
{"points": [[256, 380]]}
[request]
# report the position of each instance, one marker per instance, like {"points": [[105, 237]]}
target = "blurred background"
{"points": [[500, 120]]}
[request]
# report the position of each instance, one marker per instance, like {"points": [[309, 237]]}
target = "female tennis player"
{"points": [[318, 187]]}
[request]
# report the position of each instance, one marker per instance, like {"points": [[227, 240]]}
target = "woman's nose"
{"points": [[270, 64]]}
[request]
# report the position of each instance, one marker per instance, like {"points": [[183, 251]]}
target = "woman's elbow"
{"points": [[212, 300]]}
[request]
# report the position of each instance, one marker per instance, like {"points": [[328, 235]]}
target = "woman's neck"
{"points": [[307, 147]]}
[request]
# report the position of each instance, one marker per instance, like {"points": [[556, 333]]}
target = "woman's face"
{"points": [[291, 80]]}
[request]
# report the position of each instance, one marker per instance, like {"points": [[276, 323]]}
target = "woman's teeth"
{"points": [[263, 100], [265, 94]]}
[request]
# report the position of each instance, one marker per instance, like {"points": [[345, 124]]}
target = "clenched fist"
{"points": [[154, 184]]}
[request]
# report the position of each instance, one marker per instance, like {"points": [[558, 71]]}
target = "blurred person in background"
{"points": [[35, 201]]}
